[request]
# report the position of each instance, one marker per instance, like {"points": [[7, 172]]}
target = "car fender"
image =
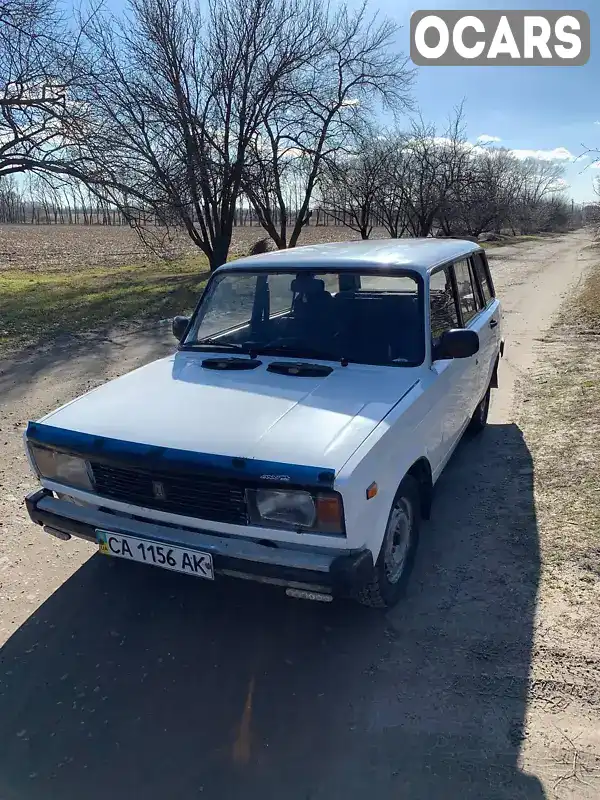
{"points": [[384, 458]]}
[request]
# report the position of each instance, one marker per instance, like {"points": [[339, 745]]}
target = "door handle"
{"points": [[493, 323]]}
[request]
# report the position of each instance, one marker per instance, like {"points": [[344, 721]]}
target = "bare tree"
{"points": [[392, 208], [437, 166], [250, 114], [39, 75], [537, 181], [353, 67], [177, 104], [481, 203], [351, 187], [591, 211], [11, 200]]}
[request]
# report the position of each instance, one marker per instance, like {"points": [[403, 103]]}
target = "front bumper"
{"points": [[337, 572]]}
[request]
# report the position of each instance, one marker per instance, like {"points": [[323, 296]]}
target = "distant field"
{"points": [[66, 247]]}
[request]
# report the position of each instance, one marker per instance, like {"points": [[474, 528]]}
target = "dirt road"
{"points": [[136, 682]]}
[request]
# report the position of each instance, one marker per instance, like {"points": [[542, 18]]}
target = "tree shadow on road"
{"points": [[88, 356], [133, 682]]}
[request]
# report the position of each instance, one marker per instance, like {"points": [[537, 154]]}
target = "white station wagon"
{"points": [[296, 434]]}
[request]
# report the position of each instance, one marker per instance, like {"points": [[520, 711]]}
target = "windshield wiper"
{"points": [[212, 343], [296, 352]]}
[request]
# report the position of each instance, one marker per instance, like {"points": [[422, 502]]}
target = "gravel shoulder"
{"points": [[482, 684]]}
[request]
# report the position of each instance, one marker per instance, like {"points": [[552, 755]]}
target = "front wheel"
{"points": [[397, 553]]}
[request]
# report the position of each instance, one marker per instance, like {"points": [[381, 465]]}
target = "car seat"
{"points": [[313, 321]]}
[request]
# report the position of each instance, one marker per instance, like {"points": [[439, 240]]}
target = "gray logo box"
{"points": [[490, 20]]}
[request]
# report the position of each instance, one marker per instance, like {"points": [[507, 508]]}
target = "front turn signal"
{"points": [[330, 514]]}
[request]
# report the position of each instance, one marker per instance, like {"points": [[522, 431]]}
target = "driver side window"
{"points": [[442, 304]]}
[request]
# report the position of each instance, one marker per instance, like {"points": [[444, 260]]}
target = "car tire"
{"points": [[396, 557], [480, 415]]}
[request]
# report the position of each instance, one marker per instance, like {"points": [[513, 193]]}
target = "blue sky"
{"points": [[528, 108]]}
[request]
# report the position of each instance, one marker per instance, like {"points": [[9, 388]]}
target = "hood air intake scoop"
{"points": [[300, 369], [231, 363]]}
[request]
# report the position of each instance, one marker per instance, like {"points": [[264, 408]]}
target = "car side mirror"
{"points": [[457, 343], [180, 326]]}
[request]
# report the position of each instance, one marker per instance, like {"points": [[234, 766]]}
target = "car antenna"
{"points": [[343, 361]]}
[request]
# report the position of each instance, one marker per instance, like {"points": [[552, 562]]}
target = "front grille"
{"points": [[179, 493]]}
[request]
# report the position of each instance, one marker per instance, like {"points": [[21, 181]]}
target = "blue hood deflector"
{"points": [[148, 456]]}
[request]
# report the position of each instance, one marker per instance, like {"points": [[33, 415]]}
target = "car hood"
{"points": [[177, 403]]}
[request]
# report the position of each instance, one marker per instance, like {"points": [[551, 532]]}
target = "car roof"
{"points": [[418, 255]]}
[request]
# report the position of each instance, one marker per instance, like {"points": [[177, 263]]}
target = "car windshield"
{"points": [[363, 318]]}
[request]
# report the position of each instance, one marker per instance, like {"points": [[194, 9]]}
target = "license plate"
{"points": [[178, 559]]}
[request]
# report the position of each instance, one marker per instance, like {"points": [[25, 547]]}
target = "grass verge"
{"points": [[561, 419], [36, 307]]}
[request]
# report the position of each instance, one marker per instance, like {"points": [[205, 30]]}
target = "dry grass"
{"points": [[561, 418], [587, 304], [559, 413]]}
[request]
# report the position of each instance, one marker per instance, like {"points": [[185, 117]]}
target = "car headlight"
{"points": [[295, 509], [61, 467]]}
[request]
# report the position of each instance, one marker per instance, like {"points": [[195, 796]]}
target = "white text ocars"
{"points": [[296, 434]]}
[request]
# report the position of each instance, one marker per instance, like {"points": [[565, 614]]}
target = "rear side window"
{"points": [[387, 283], [444, 315], [468, 297], [483, 277]]}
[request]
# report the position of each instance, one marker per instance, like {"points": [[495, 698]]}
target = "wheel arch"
{"points": [[494, 380], [421, 472]]}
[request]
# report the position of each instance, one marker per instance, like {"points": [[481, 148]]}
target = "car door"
{"points": [[445, 417], [489, 327], [472, 316]]}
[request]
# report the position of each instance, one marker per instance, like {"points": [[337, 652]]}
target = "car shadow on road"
{"points": [[134, 682]]}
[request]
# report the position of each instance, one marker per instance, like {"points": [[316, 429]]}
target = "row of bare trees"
{"points": [[420, 182], [191, 119], [37, 200], [42, 201]]}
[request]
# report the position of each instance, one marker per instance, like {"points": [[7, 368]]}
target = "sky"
{"points": [[554, 110]]}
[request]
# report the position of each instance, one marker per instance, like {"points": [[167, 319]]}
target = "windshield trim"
{"points": [[384, 271]]}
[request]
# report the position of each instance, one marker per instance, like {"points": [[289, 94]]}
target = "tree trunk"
{"points": [[218, 257]]}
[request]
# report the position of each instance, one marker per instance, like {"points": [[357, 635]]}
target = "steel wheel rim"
{"points": [[398, 537]]}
